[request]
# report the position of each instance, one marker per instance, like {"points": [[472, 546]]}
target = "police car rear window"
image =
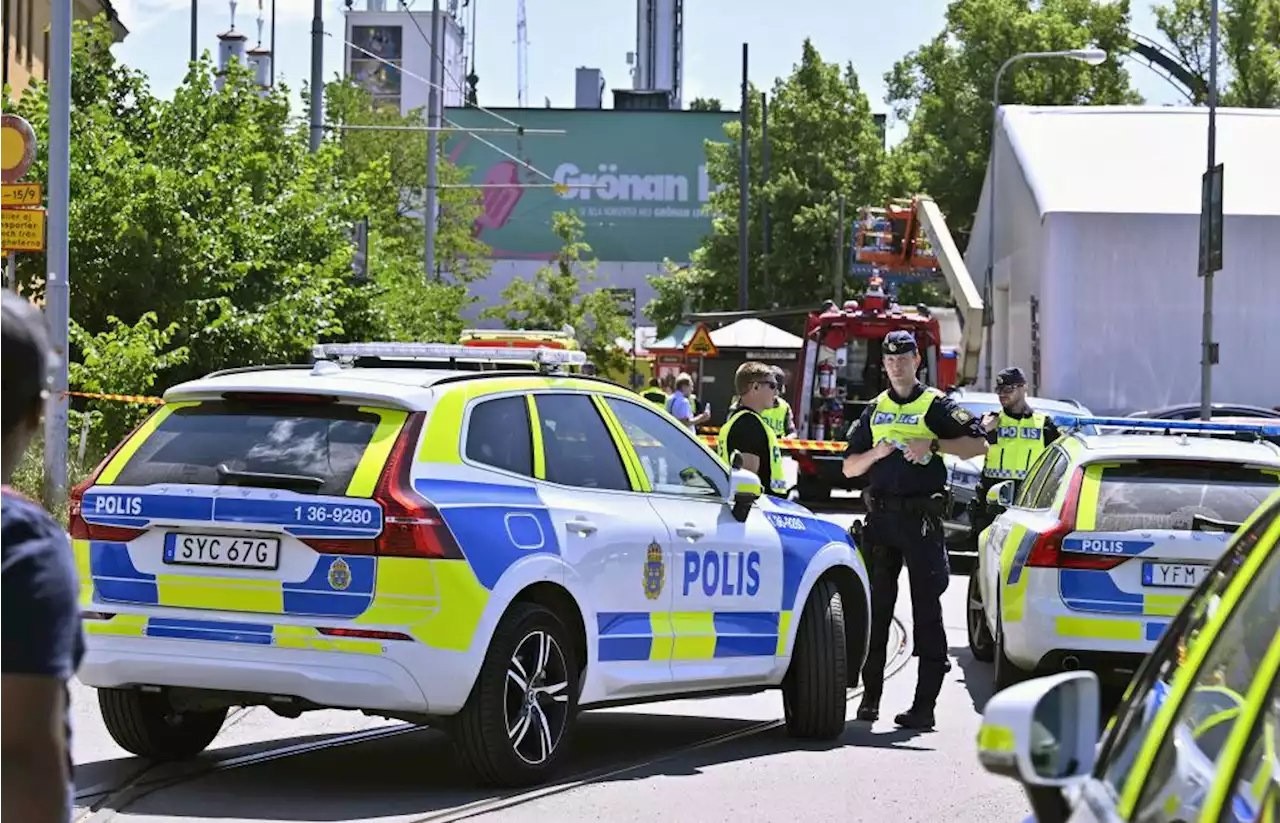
{"points": [[301, 439], [1180, 495]]}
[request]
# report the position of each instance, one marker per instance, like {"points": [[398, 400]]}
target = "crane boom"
{"points": [[963, 290]]}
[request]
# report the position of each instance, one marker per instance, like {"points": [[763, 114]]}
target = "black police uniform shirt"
{"points": [[748, 436], [41, 612], [893, 474]]}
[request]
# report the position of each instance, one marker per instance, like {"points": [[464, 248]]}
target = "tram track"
{"points": [[114, 798]]}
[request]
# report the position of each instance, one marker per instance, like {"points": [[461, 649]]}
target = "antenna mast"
{"points": [[522, 55]]}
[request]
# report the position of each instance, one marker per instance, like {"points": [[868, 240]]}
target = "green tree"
{"points": [[1249, 48], [392, 164], [705, 104], [823, 143], [943, 89], [557, 297]]}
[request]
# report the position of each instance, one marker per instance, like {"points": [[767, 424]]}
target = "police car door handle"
{"points": [[689, 532], [581, 525]]}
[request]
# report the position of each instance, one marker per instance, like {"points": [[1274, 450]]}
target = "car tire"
{"points": [[813, 691], [516, 725], [145, 724], [981, 643], [1006, 674]]}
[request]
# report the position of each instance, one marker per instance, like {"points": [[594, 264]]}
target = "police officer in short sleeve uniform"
{"points": [[896, 443]]}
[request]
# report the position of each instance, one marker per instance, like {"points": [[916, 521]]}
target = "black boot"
{"points": [[915, 718], [869, 709]]}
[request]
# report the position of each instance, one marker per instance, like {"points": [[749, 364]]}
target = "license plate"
{"points": [[222, 551], [1173, 575]]}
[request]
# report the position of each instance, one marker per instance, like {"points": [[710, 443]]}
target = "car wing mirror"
{"points": [[1043, 732], [1000, 496]]}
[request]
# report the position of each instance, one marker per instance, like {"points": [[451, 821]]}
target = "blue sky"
{"points": [[566, 34]]}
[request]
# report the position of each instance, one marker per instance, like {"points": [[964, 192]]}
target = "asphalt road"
{"points": [[706, 761]]}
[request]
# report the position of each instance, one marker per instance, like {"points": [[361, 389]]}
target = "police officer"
{"points": [[654, 394], [747, 432], [778, 415], [1017, 435], [896, 443]]}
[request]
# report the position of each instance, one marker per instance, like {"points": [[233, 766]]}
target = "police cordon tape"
{"points": [[123, 398]]}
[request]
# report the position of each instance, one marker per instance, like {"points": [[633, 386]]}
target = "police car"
{"points": [[1105, 539], [1195, 736], [394, 531]]}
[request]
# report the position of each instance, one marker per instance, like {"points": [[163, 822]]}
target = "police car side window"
{"points": [[577, 448], [1035, 478], [498, 435], [1254, 790], [1054, 474], [673, 463]]}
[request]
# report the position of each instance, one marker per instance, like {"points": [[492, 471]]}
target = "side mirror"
{"points": [[1001, 494], [1043, 732]]}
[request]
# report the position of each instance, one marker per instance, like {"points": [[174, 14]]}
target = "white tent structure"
{"points": [[1096, 294]]}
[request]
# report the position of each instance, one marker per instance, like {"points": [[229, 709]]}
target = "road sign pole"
{"points": [[11, 271], [57, 259], [1208, 349]]}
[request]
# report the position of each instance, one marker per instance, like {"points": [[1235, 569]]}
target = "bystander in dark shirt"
{"points": [[40, 606]]}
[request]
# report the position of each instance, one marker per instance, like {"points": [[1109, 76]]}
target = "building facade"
{"points": [[26, 36]]}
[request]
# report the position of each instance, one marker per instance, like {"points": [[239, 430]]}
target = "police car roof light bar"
{"points": [[1181, 426], [448, 351]]}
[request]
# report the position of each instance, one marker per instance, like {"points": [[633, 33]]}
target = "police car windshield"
{"points": [[1180, 495], [301, 439]]}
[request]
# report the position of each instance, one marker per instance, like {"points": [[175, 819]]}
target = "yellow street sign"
{"points": [[17, 147], [22, 229], [700, 344], [21, 194]]}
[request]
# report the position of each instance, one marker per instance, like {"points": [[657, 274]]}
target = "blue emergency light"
{"points": [[1186, 426]]}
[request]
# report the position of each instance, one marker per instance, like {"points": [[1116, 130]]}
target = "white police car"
{"points": [[488, 550], [1106, 538]]}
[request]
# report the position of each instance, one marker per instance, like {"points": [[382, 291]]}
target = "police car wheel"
{"points": [[1006, 673], [813, 691], [146, 724], [981, 643], [514, 726]]}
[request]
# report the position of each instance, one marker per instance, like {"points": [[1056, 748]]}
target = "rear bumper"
{"points": [[1044, 639], [330, 679]]}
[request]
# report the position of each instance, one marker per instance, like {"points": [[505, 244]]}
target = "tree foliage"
{"points": [[557, 297], [823, 143], [1248, 51], [944, 88], [705, 104]]}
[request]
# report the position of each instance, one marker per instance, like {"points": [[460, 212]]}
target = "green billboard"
{"points": [[638, 179]]}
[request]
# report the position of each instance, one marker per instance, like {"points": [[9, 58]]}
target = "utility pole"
{"points": [[273, 43], [1210, 230], [195, 40], [840, 257], [743, 189], [431, 206], [57, 258], [317, 75], [764, 205]]}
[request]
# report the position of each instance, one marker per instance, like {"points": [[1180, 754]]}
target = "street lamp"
{"points": [[1093, 57]]}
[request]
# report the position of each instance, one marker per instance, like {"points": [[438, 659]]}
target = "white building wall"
{"points": [[414, 55]]}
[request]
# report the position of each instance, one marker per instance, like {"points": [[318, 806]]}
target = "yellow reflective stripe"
{"points": [[663, 639], [437, 602], [220, 593], [122, 625], [1087, 507], [1214, 719], [535, 430], [367, 472], [695, 635], [1185, 675], [784, 629], [995, 738], [444, 429], [1255, 700], [1096, 628], [112, 470], [1162, 605], [84, 570], [405, 593], [1012, 597], [305, 637], [635, 470]]}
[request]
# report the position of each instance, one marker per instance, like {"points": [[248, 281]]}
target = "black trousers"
{"points": [[913, 538]]}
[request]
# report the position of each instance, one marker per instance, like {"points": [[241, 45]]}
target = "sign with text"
{"points": [[22, 229], [15, 195]]}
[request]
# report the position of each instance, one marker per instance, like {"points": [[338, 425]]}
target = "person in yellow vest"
{"points": [[1017, 435], [654, 394], [896, 443], [747, 432], [779, 416]]}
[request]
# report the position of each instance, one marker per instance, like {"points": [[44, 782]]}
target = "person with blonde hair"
{"points": [[748, 433]]}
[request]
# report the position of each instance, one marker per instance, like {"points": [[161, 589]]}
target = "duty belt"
{"points": [[934, 504]]}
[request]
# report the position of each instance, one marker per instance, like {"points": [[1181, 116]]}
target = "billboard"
{"points": [[638, 179], [375, 76]]}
